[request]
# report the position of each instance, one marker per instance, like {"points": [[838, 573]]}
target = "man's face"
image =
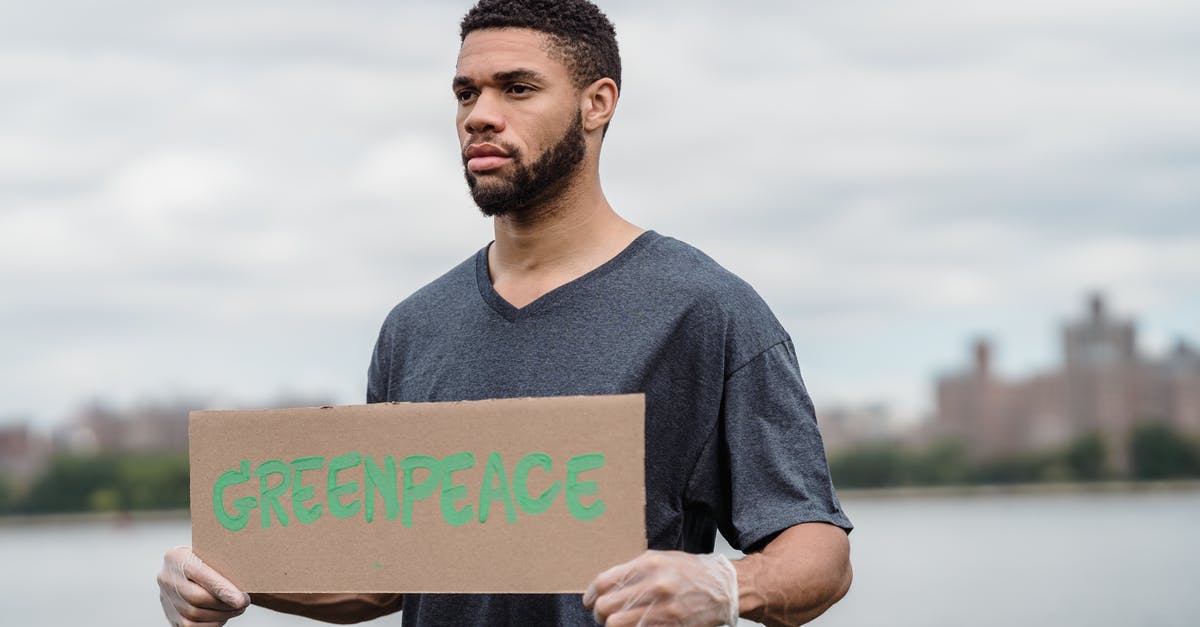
{"points": [[519, 122]]}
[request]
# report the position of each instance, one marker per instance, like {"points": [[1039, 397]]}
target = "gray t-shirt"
{"points": [[731, 439]]}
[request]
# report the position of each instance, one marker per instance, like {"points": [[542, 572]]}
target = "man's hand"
{"points": [[195, 595], [666, 588]]}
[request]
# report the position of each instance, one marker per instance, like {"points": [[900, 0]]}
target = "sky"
{"points": [[222, 200]]}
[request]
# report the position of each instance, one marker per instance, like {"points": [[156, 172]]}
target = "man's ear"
{"points": [[598, 102]]}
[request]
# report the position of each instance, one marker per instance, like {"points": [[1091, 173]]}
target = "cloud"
{"points": [[172, 186], [229, 197]]}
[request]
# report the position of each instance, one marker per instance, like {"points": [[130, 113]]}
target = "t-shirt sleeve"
{"points": [[379, 371], [772, 452]]}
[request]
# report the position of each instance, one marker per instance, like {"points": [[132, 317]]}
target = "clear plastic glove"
{"points": [[195, 595], [666, 588]]}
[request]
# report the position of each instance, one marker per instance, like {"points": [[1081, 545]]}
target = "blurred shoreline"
{"points": [[119, 519], [115, 519], [1022, 489]]}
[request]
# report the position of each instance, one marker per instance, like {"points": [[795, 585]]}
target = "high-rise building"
{"points": [[1104, 386]]}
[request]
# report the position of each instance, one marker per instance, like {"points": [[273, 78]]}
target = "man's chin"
{"points": [[495, 200], [490, 179], [497, 210]]}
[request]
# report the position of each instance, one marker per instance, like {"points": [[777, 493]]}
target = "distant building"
{"points": [[1178, 384], [843, 427], [147, 426], [97, 428], [22, 452], [1104, 385]]}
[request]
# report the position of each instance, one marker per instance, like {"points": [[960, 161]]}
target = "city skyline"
{"points": [[1105, 385], [856, 421]]}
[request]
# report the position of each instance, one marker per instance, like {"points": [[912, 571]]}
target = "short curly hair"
{"points": [[580, 34]]}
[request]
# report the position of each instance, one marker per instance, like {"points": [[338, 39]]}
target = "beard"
{"points": [[531, 185]]}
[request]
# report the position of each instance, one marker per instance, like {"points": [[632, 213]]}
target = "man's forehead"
{"points": [[490, 50]]}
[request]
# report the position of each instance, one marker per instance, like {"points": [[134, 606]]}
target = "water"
{"points": [[1057, 560], [1100, 560]]}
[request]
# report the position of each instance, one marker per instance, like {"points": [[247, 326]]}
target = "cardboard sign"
{"points": [[516, 495]]}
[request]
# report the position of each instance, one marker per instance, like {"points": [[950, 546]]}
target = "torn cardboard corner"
{"points": [[532, 495]]}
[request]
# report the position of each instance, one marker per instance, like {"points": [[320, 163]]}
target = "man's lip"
{"points": [[485, 150], [485, 163]]}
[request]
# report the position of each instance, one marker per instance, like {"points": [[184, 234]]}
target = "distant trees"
{"points": [[7, 496], [147, 481], [103, 483], [1086, 457], [884, 464], [1156, 451]]}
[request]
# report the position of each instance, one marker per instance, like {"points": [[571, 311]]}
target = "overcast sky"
{"points": [[225, 198]]}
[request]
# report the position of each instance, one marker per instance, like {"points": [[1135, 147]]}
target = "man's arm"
{"points": [[341, 608], [796, 577]]}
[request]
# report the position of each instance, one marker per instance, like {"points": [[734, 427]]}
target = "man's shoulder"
{"points": [[688, 271], [708, 300]]}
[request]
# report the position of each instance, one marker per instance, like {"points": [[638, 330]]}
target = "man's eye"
{"points": [[464, 96], [520, 90]]}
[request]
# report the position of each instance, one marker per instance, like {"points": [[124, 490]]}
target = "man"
{"points": [[572, 299]]}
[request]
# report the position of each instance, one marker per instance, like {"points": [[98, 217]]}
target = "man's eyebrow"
{"points": [[519, 74], [511, 76]]}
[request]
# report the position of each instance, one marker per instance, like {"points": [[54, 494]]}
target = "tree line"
{"points": [[111, 482], [1156, 451], [159, 481]]}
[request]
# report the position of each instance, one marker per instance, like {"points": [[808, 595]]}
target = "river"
{"points": [[1060, 560]]}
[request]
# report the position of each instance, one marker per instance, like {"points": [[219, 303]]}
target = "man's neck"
{"points": [[538, 252]]}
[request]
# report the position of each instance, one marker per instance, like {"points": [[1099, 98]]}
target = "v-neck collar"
{"points": [[515, 314]]}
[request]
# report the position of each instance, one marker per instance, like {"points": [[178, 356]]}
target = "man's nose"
{"points": [[485, 115]]}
